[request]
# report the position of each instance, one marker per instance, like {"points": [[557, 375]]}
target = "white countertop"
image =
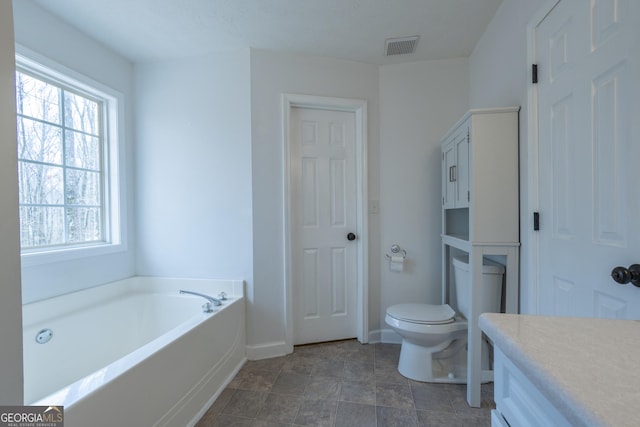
{"points": [[589, 369]]}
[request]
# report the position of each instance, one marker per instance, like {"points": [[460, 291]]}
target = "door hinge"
{"points": [[467, 136], [536, 221], [468, 196], [534, 73]]}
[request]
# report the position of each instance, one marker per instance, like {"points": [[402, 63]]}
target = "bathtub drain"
{"points": [[43, 336]]}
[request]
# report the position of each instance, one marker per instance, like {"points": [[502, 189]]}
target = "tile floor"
{"points": [[341, 383]]}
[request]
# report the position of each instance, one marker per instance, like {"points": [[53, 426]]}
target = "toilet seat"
{"points": [[422, 314]]}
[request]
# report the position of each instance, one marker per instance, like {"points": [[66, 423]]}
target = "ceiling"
{"points": [[152, 30]]}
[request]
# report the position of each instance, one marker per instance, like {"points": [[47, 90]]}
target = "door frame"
{"points": [[359, 108], [533, 165]]}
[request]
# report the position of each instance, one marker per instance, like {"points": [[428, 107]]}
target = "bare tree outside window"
{"points": [[59, 164]]}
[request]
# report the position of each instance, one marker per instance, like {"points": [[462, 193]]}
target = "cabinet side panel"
{"points": [[494, 178]]}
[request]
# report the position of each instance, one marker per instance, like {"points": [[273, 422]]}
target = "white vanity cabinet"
{"points": [[564, 371], [518, 401], [480, 213]]}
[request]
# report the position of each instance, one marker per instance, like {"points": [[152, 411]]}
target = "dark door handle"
{"points": [[351, 236], [625, 275]]}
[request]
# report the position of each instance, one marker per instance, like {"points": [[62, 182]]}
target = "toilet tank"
{"points": [[491, 285]]}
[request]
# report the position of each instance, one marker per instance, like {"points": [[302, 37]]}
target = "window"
{"points": [[67, 161]]}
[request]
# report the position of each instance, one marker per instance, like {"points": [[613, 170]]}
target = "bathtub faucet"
{"points": [[207, 307]]}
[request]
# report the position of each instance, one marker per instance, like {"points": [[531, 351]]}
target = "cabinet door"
{"points": [[448, 168], [519, 401], [461, 171]]}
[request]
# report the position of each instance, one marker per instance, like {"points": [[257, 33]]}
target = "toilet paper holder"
{"points": [[396, 249]]}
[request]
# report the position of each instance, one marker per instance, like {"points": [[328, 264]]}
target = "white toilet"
{"points": [[433, 334]]}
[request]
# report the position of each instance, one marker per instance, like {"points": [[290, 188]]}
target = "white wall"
{"points": [[498, 77], [46, 35], [193, 167], [419, 102], [208, 158], [271, 75], [10, 305]]}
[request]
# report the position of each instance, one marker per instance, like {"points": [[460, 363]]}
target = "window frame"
{"points": [[113, 190]]}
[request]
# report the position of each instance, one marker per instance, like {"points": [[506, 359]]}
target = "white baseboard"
{"points": [[384, 336], [374, 336], [266, 351], [280, 348]]}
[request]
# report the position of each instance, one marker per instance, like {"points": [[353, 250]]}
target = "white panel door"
{"points": [[323, 169], [588, 55]]}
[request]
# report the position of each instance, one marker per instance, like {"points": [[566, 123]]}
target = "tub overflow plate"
{"points": [[44, 336]]}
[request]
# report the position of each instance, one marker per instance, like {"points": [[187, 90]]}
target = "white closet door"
{"points": [[588, 59]]}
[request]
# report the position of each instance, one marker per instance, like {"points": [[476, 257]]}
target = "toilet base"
{"points": [[418, 363], [445, 364]]}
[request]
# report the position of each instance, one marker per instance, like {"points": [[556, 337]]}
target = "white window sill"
{"points": [[30, 259]]}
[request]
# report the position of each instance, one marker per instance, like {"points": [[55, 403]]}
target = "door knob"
{"points": [[625, 275], [351, 236]]}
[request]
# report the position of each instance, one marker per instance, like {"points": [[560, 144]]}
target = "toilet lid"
{"points": [[422, 313]]}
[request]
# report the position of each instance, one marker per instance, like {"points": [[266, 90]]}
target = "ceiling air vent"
{"points": [[400, 46]]}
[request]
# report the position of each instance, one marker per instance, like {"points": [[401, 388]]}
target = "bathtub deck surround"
{"points": [[136, 345], [563, 370], [341, 383]]}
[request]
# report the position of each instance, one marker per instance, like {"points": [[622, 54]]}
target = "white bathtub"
{"points": [[134, 352]]}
